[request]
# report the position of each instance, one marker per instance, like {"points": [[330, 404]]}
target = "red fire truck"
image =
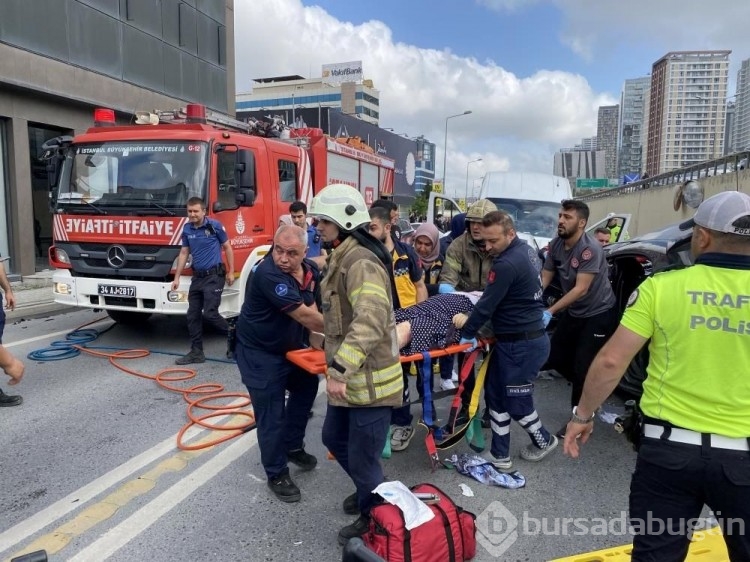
{"points": [[119, 194]]}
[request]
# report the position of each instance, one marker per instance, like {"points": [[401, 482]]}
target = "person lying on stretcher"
{"points": [[434, 323]]}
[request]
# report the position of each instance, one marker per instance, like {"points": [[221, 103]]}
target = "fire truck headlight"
{"points": [[62, 256], [188, 263], [177, 296], [63, 289]]}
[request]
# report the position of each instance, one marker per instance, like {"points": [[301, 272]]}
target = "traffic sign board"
{"points": [[592, 183]]}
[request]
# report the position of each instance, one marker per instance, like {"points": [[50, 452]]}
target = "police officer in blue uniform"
{"points": [[298, 214], [204, 238], [513, 301], [279, 309]]}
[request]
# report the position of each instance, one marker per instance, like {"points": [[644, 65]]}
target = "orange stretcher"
{"points": [[314, 360]]}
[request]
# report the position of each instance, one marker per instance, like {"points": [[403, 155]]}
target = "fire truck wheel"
{"points": [[128, 318]]}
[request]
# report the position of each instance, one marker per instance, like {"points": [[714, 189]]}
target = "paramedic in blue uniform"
{"points": [[298, 214], [694, 446], [203, 238], [279, 309], [512, 300]]}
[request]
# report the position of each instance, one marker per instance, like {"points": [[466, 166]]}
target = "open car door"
{"points": [[616, 223], [437, 205]]}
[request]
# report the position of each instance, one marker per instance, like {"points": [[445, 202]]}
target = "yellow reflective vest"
{"points": [[698, 319]]}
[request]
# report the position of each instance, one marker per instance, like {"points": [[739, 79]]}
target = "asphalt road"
{"points": [[90, 468]]}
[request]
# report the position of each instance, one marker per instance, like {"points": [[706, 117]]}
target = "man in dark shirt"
{"points": [[298, 214], [512, 300], [279, 309], [589, 315]]}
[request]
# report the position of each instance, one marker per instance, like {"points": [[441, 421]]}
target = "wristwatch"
{"points": [[577, 419]]}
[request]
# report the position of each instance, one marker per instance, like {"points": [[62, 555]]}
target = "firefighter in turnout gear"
{"points": [[467, 263], [363, 378]]}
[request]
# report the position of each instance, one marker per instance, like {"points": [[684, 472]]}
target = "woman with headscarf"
{"points": [[427, 246]]}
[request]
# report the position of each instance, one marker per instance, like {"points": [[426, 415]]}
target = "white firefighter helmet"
{"points": [[342, 205]]}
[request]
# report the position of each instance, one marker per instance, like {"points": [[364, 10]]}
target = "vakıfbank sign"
{"points": [[336, 74]]}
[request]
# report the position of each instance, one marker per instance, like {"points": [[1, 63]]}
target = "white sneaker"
{"points": [[447, 384], [503, 465], [401, 437], [454, 375]]}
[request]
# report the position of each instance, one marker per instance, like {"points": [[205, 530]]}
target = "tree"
{"points": [[419, 207]]}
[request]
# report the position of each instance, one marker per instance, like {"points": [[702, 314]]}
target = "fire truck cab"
{"points": [[118, 195]]}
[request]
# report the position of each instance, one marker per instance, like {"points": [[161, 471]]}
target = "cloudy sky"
{"points": [[533, 72]]}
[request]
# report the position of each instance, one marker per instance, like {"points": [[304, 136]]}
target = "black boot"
{"points": [[356, 529], [195, 356], [7, 400], [351, 504], [302, 459], [286, 490]]}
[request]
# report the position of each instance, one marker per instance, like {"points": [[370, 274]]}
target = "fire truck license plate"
{"points": [[117, 291]]}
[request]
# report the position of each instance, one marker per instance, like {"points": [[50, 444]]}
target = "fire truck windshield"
{"points": [[152, 176]]}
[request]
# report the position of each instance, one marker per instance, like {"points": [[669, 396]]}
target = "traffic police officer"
{"points": [[203, 238], [363, 378], [279, 308], [696, 396], [513, 301]]}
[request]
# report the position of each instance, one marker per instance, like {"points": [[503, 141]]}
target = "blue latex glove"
{"points": [[546, 317], [444, 288], [472, 341]]}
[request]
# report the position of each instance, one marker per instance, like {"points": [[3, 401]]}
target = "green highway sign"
{"points": [[592, 183]]}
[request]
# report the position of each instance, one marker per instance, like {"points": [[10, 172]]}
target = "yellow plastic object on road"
{"points": [[707, 546]]}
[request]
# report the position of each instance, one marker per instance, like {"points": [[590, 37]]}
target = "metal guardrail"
{"points": [[725, 165]]}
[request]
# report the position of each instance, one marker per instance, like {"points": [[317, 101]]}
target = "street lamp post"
{"points": [[466, 194], [445, 155]]}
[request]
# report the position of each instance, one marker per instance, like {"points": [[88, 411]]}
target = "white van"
{"points": [[532, 199]]}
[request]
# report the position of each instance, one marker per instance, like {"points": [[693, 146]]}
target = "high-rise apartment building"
{"points": [[687, 109], [741, 129], [606, 137], [633, 101]]}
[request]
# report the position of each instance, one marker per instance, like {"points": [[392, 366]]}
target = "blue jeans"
{"points": [[509, 391], [356, 437], [280, 423]]}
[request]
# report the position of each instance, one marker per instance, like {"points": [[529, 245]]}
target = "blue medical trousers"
{"points": [[280, 423], [356, 437], [509, 391]]}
